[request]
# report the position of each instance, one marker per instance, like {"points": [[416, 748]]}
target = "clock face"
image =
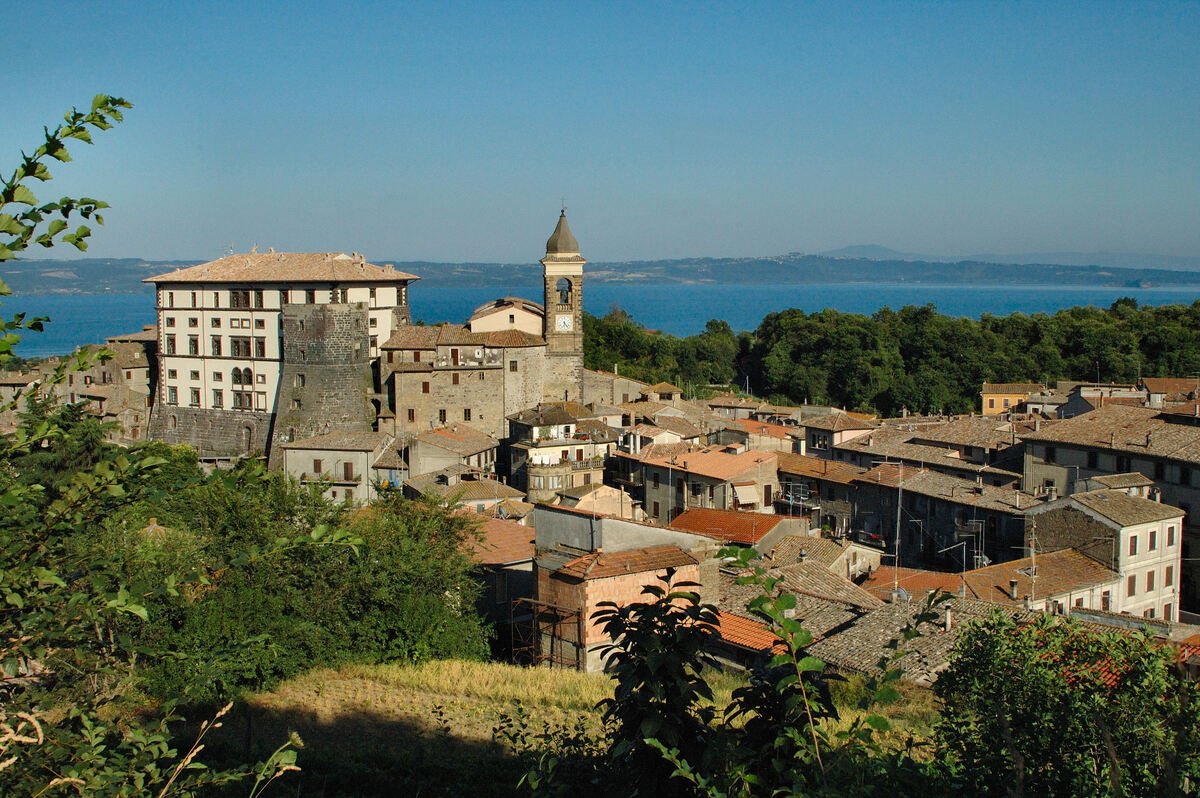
{"points": [[564, 323]]}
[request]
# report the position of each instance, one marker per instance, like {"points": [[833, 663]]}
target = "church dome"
{"points": [[561, 241]]}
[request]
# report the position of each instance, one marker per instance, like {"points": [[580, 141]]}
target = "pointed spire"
{"points": [[561, 241]]}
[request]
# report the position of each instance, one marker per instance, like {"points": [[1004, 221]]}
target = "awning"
{"points": [[746, 494]]}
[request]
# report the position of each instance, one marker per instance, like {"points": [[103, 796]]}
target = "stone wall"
{"points": [[326, 381], [1067, 528], [212, 433]]}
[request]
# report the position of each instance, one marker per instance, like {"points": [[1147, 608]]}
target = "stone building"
{"points": [[510, 355], [247, 336], [257, 350]]}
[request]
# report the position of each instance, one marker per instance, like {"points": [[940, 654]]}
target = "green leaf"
{"points": [[879, 723], [22, 194]]}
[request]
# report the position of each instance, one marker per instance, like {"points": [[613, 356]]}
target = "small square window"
{"points": [[172, 374], [170, 321], [216, 321]]}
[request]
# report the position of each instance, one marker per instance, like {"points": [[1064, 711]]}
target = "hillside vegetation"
{"points": [[914, 358]]}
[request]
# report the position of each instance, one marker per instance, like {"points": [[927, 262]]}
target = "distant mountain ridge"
{"points": [[1112, 260], [125, 275]]}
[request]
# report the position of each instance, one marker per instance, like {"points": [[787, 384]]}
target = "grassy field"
{"points": [[427, 729]]}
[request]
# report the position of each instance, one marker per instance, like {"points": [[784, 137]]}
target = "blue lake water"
{"points": [[676, 309]]}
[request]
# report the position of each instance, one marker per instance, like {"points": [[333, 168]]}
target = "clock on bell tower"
{"points": [[563, 271]]}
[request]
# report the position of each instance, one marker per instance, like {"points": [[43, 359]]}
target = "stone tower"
{"points": [[325, 382], [562, 269]]}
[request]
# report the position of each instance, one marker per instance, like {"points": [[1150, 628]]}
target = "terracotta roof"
{"points": [[340, 440], [663, 387], [457, 335], [512, 339], [459, 438], [727, 525], [913, 581], [1058, 572], [1170, 386], [743, 632], [838, 421], [412, 336], [463, 483], [711, 461], [1123, 509], [1013, 387], [503, 304], [777, 431], [285, 267], [819, 468], [605, 564], [502, 542]]}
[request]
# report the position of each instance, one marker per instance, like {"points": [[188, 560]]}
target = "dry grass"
{"points": [[368, 728]]}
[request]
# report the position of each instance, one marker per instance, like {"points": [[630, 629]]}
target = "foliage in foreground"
{"points": [[1048, 708]]}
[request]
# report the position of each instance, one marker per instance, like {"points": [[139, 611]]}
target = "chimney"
{"points": [[1037, 425], [1112, 440], [948, 622], [1012, 589], [1028, 603]]}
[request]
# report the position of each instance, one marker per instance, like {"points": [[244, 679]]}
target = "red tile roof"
{"points": [[605, 564], [914, 581], [764, 428], [747, 633], [502, 542], [727, 525]]}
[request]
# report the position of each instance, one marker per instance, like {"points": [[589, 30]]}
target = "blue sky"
{"points": [[452, 131]]}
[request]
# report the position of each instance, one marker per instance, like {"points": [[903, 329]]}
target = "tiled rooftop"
{"points": [[1123, 509], [502, 542], [1130, 430], [285, 267], [605, 564], [459, 438], [727, 525]]}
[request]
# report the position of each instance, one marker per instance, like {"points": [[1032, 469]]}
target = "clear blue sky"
{"points": [[451, 131]]}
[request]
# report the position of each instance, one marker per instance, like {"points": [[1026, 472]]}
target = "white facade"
{"points": [[220, 344]]}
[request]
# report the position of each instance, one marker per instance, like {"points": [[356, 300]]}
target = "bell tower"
{"points": [[562, 327]]}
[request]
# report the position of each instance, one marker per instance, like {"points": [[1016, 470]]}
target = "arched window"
{"points": [[172, 422], [235, 376], [247, 439], [564, 291]]}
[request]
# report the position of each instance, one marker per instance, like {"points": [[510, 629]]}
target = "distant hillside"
{"points": [[125, 275]]}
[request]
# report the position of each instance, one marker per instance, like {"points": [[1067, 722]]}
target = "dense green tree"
{"points": [[1053, 708]]}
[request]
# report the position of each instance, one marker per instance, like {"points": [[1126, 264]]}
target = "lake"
{"points": [[672, 308]]}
